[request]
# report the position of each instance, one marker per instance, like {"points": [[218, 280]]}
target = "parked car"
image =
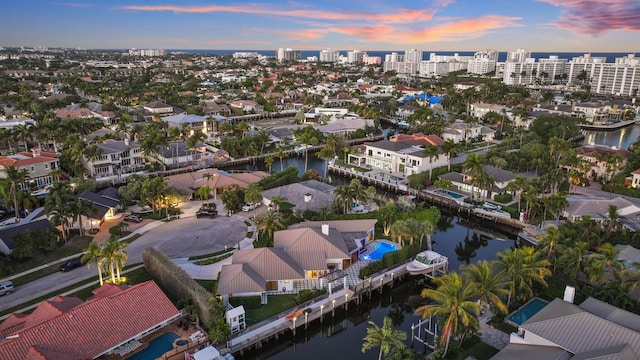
{"points": [[250, 206], [206, 213], [133, 218], [71, 264], [6, 287]]}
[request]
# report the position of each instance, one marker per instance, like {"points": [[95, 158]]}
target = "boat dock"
{"points": [[300, 317], [608, 126]]}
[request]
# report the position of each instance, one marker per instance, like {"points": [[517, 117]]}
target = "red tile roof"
{"points": [[91, 328]]}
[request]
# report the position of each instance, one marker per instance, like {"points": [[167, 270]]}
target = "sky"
{"points": [[374, 25]]}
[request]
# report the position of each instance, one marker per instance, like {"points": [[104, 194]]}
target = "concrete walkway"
{"points": [[490, 335]]}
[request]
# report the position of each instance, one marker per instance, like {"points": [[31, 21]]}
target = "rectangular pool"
{"points": [[452, 194], [526, 311]]}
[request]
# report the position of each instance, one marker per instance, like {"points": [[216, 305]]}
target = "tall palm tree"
{"points": [[280, 154], [453, 304], [451, 149], [551, 244], [59, 210], [80, 208], [15, 177], [307, 138], [253, 194], [384, 337], [472, 167], [604, 261], [93, 253], [522, 267], [399, 230], [631, 278], [431, 152], [612, 221], [487, 283], [519, 183], [342, 198]]}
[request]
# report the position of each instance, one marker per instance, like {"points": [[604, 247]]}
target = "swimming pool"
{"points": [[382, 248], [452, 194], [156, 348], [527, 311]]}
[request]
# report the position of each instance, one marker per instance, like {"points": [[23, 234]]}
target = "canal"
{"points": [[620, 138], [461, 241]]}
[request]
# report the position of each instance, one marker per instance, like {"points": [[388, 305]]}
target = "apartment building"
{"points": [[328, 55]]}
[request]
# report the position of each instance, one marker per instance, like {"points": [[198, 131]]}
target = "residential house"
{"points": [[306, 195], [345, 126], [604, 162], [480, 110], [158, 107], [38, 165], [105, 204], [598, 208], [418, 138], [118, 159], [213, 108], [178, 153], [193, 123], [317, 114], [214, 179], [634, 179], [403, 158], [464, 182], [35, 221], [303, 257], [247, 106], [460, 131], [69, 328], [564, 331], [11, 123]]}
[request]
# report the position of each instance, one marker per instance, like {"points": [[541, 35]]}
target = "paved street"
{"points": [[180, 238]]}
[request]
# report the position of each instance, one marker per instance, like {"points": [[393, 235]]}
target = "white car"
{"points": [[250, 206]]}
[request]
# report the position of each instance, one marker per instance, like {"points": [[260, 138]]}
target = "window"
{"points": [[46, 166], [33, 169]]}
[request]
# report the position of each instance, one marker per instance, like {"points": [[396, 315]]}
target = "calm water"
{"points": [[342, 337], [620, 138]]}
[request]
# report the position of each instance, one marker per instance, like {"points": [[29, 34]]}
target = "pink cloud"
{"points": [[594, 17], [451, 31], [399, 16]]}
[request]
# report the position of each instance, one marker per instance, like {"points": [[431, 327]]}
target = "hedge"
{"points": [[285, 177], [503, 198], [178, 283]]}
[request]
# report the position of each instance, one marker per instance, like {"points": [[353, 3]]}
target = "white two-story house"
{"points": [[460, 131], [400, 158], [119, 158]]}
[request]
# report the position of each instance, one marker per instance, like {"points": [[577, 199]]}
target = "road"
{"points": [[184, 237]]}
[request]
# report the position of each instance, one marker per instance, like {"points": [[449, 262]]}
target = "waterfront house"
{"points": [[214, 179], [38, 165], [246, 106], [604, 162], [563, 331], [302, 258], [118, 159], [178, 153], [69, 328], [403, 158], [598, 208], [193, 123], [464, 182]]}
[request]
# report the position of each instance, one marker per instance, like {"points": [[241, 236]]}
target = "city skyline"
{"points": [[445, 25]]}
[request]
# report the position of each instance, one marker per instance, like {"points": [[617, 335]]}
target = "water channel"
{"points": [[462, 241]]}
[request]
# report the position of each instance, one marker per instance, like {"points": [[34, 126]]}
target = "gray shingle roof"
{"points": [[321, 194], [389, 145], [7, 235], [116, 146]]}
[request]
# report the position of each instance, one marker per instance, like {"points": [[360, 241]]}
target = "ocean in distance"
{"points": [[502, 56]]}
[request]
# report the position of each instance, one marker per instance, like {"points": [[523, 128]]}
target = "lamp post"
{"points": [[321, 309], [346, 303], [294, 325], [333, 308]]}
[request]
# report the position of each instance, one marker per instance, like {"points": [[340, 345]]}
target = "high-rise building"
{"points": [[520, 55], [147, 52], [619, 78], [355, 56], [372, 60], [288, 54], [328, 55], [413, 56]]}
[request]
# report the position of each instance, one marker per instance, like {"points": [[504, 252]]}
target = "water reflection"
{"points": [[620, 138]]}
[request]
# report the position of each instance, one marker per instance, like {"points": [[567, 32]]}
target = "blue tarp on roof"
{"points": [[435, 99]]}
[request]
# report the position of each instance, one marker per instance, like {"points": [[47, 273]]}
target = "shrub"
{"points": [[287, 176], [503, 198]]}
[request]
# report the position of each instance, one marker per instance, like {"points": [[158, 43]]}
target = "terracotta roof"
{"points": [[93, 327], [594, 150], [21, 160]]}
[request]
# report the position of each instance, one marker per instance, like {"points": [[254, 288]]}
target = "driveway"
{"points": [[180, 238]]}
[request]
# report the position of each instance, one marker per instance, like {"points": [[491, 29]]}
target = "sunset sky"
{"points": [[464, 25]]}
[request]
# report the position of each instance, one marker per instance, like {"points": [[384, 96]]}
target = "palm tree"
{"points": [[253, 194], [93, 253], [519, 183], [114, 257], [604, 262], [342, 198], [551, 245], [472, 167], [574, 256], [384, 337], [612, 221], [280, 154], [307, 138], [431, 152], [454, 305], [270, 221], [80, 208], [399, 230], [522, 267], [451, 149], [631, 277], [15, 177], [487, 284], [58, 209]]}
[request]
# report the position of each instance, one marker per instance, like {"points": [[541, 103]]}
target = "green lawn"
{"points": [[208, 284], [256, 312], [476, 348]]}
